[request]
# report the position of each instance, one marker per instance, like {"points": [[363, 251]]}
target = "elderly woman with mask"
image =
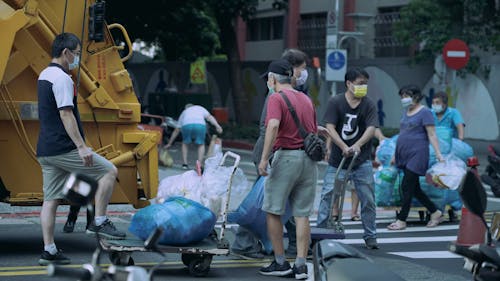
{"points": [[412, 154]]}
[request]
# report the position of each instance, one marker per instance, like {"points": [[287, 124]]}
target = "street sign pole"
{"points": [[332, 32]]}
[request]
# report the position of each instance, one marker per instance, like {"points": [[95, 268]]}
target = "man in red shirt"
{"points": [[292, 175]]}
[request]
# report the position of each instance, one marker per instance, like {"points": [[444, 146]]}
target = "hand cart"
{"points": [[333, 228], [196, 257]]}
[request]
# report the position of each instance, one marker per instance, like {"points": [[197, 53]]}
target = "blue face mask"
{"points": [[75, 63], [405, 102], [437, 108]]}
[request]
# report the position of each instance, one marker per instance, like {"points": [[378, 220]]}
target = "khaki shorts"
{"points": [[293, 178], [56, 169]]}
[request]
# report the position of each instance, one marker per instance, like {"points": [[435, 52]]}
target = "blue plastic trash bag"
{"points": [[435, 194], [386, 150], [444, 135], [184, 221], [385, 180], [250, 215], [461, 149]]}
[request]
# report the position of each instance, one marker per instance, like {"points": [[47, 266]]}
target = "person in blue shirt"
{"points": [[451, 118], [446, 116]]}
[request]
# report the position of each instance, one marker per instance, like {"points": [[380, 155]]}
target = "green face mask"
{"points": [[271, 90], [360, 90]]}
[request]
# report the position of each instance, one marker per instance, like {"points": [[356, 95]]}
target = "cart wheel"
{"points": [[199, 265], [187, 258], [121, 258]]}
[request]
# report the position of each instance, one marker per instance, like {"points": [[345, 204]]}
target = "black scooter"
{"points": [[482, 260], [80, 190], [492, 174]]}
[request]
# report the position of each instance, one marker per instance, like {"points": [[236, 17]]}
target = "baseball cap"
{"points": [[280, 66]]}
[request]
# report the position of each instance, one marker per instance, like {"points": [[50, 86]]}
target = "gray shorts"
{"points": [[56, 169], [293, 178]]}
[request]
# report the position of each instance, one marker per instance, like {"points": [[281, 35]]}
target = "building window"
{"points": [[260, 29], [386, 44], [312, 34]]}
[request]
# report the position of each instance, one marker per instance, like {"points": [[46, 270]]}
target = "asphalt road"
{"points": [[418, 253]]}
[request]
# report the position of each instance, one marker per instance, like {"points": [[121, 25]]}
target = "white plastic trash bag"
{"points": [[449, 173], [187, 184]]}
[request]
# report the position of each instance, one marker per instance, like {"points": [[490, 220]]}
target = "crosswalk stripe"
{"points": [[407, 230], [397, 240], [427, 255]]}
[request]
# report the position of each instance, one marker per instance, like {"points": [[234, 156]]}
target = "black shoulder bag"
{"points": [[314, 146]]}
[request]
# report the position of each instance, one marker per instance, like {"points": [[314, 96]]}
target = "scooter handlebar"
{"points": [[76, 273]]}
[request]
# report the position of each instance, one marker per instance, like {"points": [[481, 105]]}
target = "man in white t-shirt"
{"points": [[192, 123]]}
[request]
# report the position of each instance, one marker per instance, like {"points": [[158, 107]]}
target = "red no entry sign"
{"points": [[456, 54]]}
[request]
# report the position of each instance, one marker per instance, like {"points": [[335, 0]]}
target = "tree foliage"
{"points": [[188, 29], [182, 28], [429, 24]]}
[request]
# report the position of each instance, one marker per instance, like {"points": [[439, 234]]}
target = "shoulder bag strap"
{"points": [[302, 132]]}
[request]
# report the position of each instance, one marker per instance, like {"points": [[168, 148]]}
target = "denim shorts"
{"points": [[194, 132], [56, 169], [292, 178]]}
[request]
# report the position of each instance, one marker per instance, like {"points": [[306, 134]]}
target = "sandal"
{"points": [[436, 218], [355, 218], [397, 225]]}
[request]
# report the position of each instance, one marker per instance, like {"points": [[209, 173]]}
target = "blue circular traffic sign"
{"points": [[336, 60]]}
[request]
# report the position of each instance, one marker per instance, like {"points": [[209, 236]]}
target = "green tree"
{"points": [[188, 29], [182, 28], [429, 24]]}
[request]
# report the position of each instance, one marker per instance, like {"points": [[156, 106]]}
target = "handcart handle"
{"points": [[349, 168], [232, 155]]}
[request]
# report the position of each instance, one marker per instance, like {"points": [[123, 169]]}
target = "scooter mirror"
{"points": [[80, 189], [473, 194]]}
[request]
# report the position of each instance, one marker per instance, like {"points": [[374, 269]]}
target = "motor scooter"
{"points": [[482, 260], [80, 190], [492, 174]]}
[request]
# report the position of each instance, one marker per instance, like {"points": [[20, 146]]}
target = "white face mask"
{"points": [[405, 102], [302, 78]]}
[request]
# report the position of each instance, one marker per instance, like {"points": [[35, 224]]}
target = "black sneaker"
{"points": [[274, 269], [69, 226], [107, 229], [371, 243], [58, 258], [300, 271]]}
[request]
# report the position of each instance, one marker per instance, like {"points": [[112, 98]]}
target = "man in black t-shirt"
{"points": [[351, 119]]}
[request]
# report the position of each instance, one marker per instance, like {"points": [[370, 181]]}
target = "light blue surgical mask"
{"points": [[437, 108], [302, 78], [75, 63], [405, 102]]}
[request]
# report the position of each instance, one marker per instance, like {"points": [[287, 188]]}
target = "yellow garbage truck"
{"points": [[109, 108]]}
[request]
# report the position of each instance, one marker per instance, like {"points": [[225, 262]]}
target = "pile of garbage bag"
{"points": [[442, 180]]}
